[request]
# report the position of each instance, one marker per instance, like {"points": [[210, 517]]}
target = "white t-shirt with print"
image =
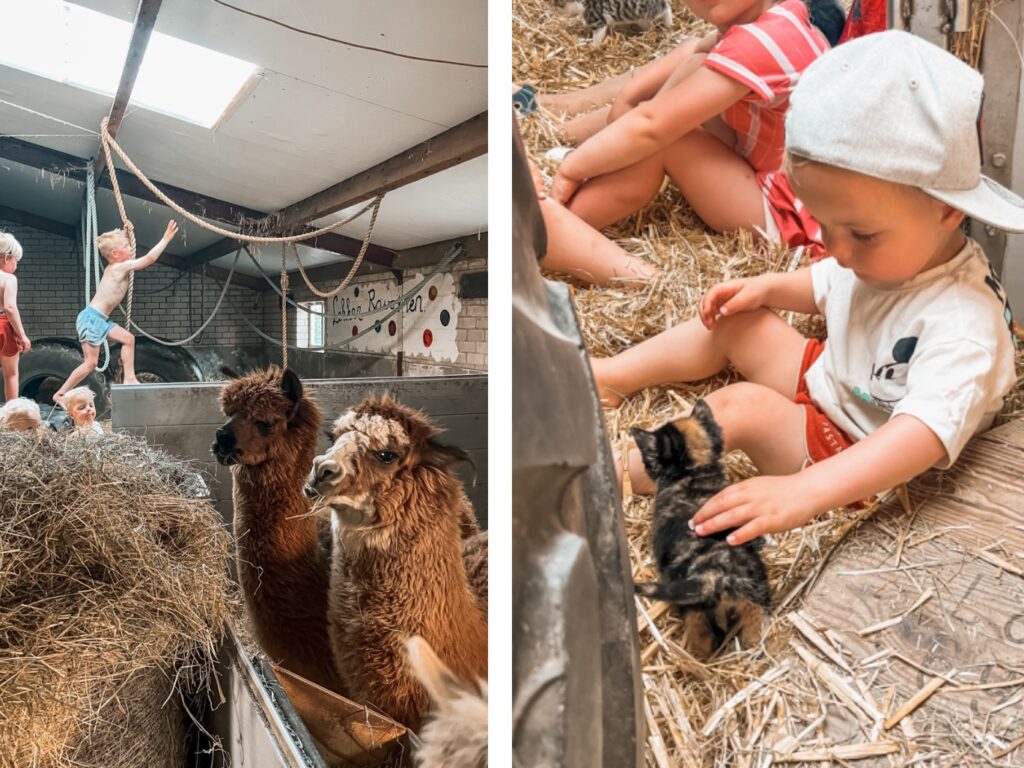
{"points": [[938, 347]]}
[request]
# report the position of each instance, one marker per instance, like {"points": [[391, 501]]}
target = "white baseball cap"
{"points": [[894, 106]]}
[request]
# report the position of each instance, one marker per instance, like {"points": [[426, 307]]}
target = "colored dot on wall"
{"points": [[432, 293], [355, 291], [376, 327], [355, 329], [428, 338], [392, 328], [445, 318]]}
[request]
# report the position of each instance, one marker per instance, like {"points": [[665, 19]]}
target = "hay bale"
{"points": [[114, 592]]}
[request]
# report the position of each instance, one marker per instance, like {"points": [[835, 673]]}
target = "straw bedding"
{"points": [[114, 592], [744, 707]]}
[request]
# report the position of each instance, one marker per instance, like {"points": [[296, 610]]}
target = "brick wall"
{"points": [[51, 293], [471, 330]]}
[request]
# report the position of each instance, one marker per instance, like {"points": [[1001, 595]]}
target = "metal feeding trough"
{"points": [[270, 718]]}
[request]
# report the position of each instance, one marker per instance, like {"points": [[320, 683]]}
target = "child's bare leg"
{"points": [[759, 344], [9, 368], [764, 424], [127, 342], [91, 357], [577, 249], [582, 127], [720, 186], [603, 93]]}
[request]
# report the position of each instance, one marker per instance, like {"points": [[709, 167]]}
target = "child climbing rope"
{"points": [[13, 340], [883, 145], [94, 324]]}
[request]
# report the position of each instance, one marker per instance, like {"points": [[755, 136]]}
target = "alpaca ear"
{"points": [[440, 682], [444, 456], [291, 385]]}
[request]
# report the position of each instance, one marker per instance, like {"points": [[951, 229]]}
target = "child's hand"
{"points": [[563, 188], [25, 343], [730, 298], [538, 180], [760, 505], [171, 231]]}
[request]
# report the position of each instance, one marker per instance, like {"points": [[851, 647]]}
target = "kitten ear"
{"points": [[704, 416], [647, 442]]}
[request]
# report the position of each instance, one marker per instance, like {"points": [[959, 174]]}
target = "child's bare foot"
{"points": [[609, 392], [130, 380]]}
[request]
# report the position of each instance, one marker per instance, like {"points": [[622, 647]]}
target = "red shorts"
{"points": [[822, 437], [9, 344]]}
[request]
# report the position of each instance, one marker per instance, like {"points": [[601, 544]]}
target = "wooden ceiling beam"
{"points": [[452, 147], [145, 19]]}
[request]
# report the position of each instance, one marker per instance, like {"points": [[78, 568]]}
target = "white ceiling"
{"points": [[320, 112]]}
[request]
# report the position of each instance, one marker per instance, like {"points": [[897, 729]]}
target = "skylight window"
{"points": [[86, 49]]}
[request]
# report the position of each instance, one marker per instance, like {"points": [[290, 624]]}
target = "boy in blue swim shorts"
{"points": [[94, 325]]}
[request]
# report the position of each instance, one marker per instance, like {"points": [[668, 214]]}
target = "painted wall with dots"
{"points": [[424, 326], [438, 331]]}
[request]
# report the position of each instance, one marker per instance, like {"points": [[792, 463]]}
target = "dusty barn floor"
{"points": [[824, 683]]}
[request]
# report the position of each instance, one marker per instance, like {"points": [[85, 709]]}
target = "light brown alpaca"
{"points": [[284, 554], [397, 518]]}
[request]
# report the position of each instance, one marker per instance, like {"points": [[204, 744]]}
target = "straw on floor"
{"points": [[745, 707], [114, 591]]}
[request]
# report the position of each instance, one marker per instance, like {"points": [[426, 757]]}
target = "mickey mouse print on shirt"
{"points": [[888, 381]]}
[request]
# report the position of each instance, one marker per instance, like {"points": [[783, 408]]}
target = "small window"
{"points": [[309, 325]]}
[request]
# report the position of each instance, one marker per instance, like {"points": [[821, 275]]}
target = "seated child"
{"points": [[884, 150], [80, 403], [717, 132], [13, 339], [20, 414], [93, 324]]}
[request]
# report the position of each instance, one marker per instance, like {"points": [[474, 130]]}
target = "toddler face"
{"points": [[724, 13], [886, 233], [82, 412]]}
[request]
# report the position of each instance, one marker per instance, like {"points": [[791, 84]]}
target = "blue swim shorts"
{"points": [[93, 326]]}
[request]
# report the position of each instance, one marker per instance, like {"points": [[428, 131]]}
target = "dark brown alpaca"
{"points": [[397, 518], [284, 553]]}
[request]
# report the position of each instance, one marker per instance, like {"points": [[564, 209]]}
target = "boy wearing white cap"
{"points": [[883, 144]]}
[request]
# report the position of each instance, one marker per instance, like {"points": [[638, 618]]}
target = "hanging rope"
{"points": [[216, 309], [355, 264], [90, 252], [126, 224], [109, 143], [284, 309]]}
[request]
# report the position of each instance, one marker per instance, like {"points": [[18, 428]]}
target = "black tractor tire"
{"points": [[43, 370], [156, 364]]}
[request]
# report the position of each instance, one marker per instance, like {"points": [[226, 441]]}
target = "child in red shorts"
{"points": [[884, 151], [13, 339]]}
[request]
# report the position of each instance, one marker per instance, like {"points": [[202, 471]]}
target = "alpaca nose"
{"points": [[225, 439], [325, 469]]}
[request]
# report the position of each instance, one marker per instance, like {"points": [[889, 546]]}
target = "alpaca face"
{"points": [[369, 450], [259, 408]]}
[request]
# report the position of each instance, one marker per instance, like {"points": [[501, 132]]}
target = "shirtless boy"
{"points": [[13, 340], [93, 324]]}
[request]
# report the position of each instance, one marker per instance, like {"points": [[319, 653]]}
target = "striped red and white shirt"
{"points": [[768, 56]]}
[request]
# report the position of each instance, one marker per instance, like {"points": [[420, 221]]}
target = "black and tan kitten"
{"points": [[710, 582]]}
